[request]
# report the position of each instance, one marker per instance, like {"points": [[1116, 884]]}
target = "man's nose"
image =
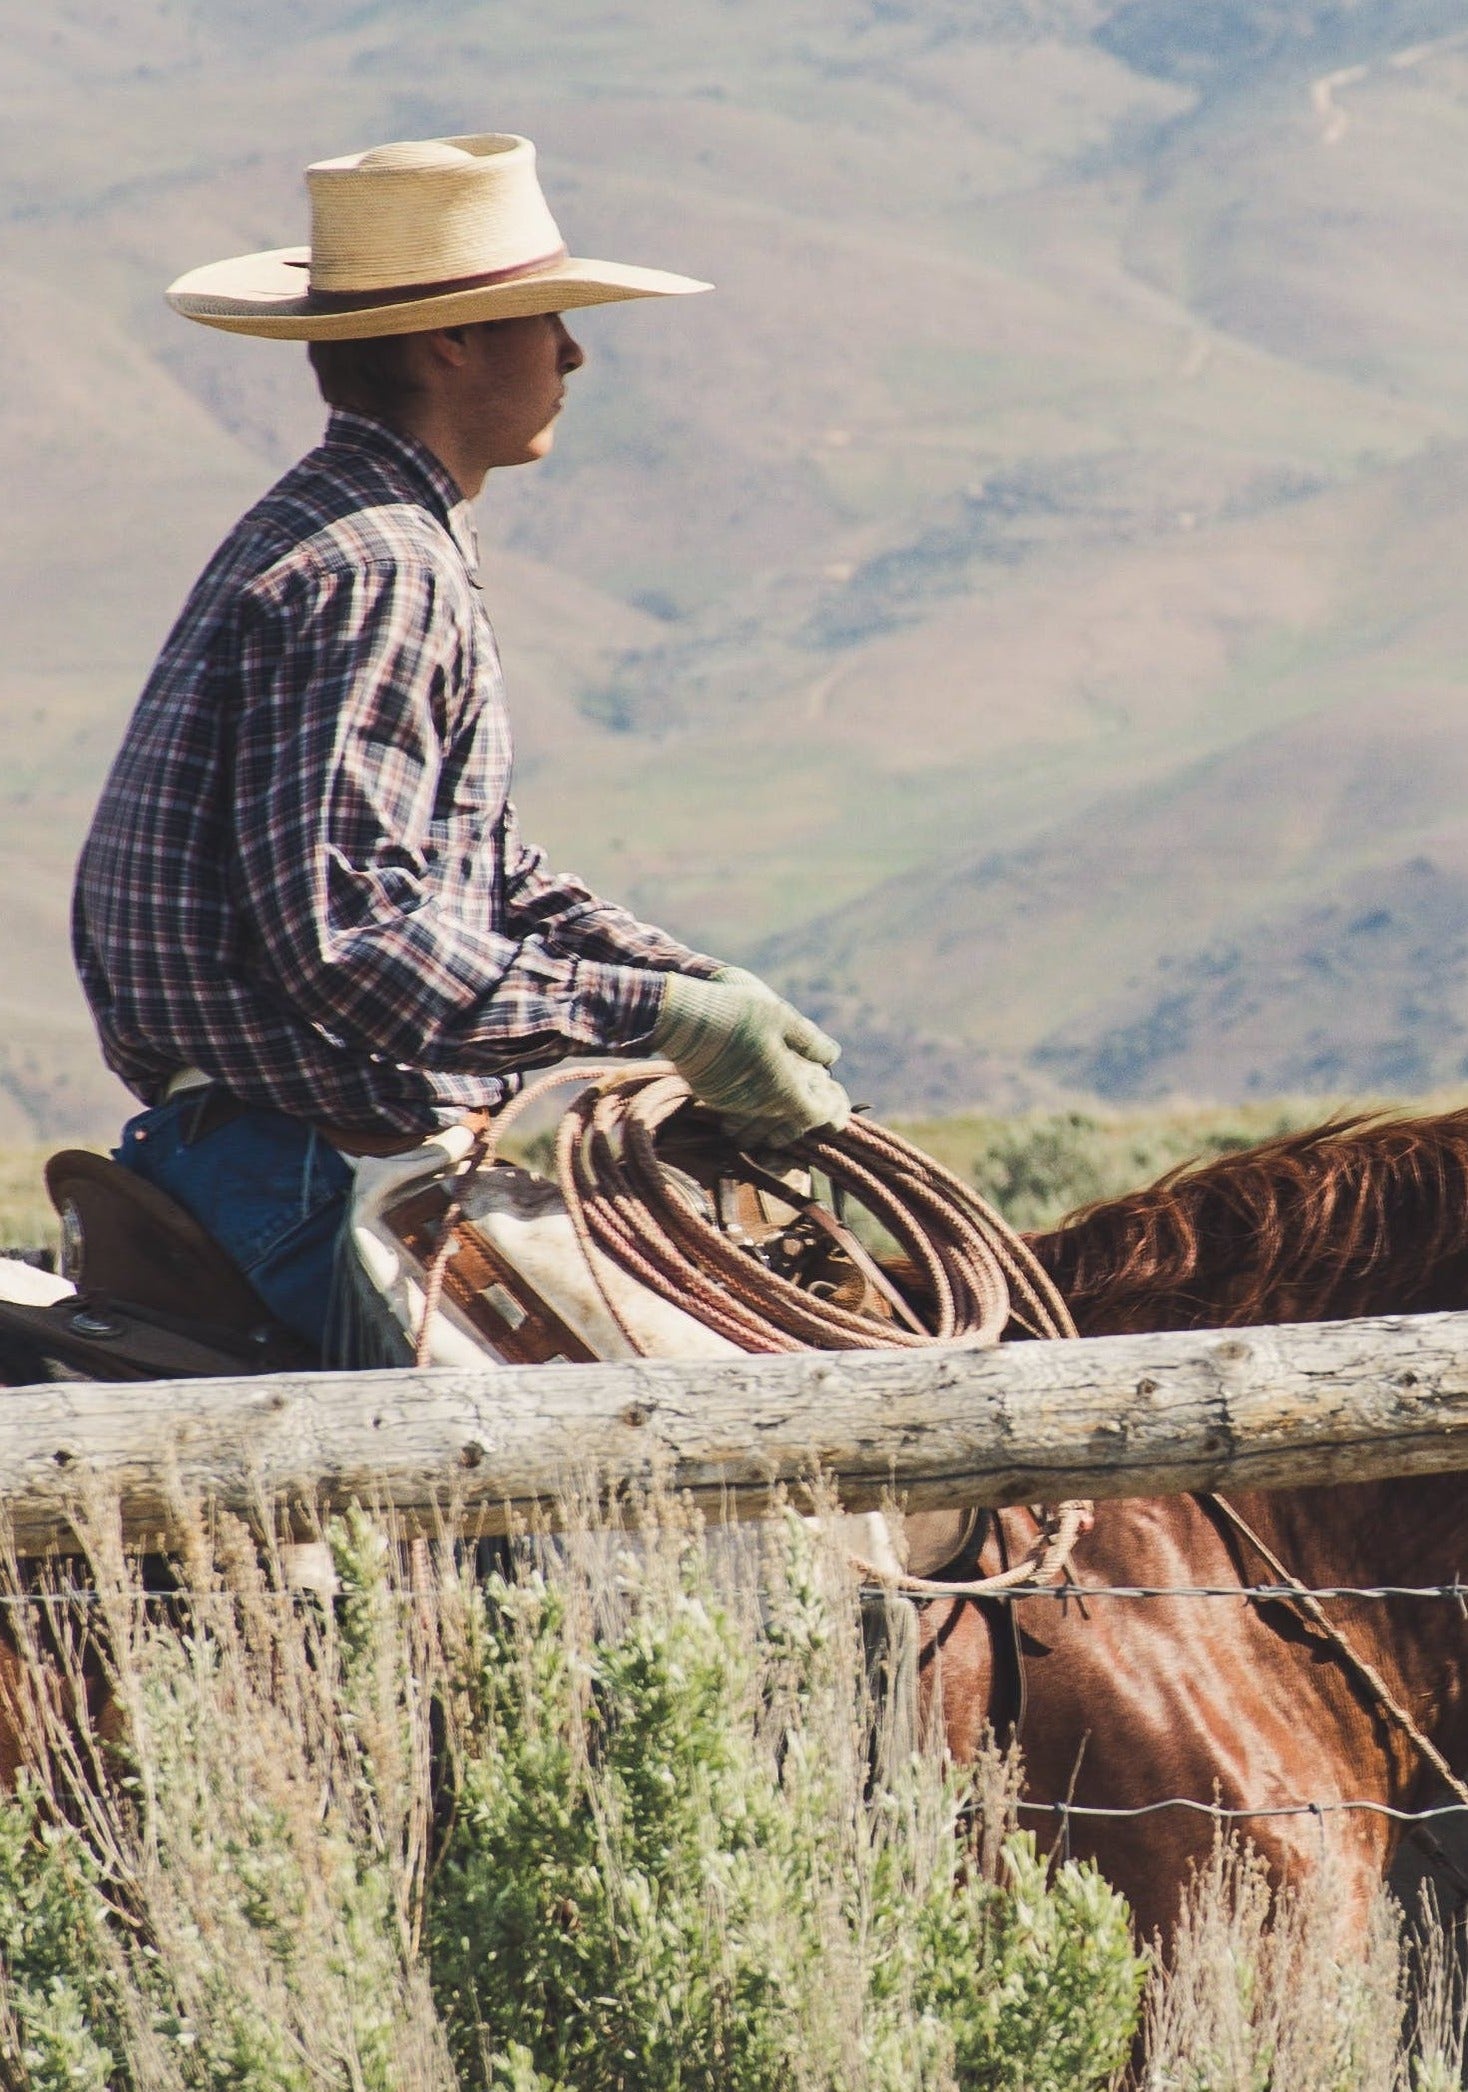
{"points": [[569, 353]]}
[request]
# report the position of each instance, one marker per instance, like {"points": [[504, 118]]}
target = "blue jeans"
{"points": [[271, 1192]]}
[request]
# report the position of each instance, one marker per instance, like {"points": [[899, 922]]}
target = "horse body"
{"points": [[1128, 1702]]}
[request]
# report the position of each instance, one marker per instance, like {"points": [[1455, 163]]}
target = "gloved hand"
{"points": [[750, 1057], [740, 977]]}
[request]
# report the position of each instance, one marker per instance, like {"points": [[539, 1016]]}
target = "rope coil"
{"points": [[629, 1210], [626, 1207]]}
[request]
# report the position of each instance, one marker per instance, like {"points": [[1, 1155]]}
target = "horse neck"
{"points": [[1359, 1218], [1365, 1218], [1409, 1532]]}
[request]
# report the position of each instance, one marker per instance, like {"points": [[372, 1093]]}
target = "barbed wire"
{"points": [[1265, 1593], [1222, 1813], [1414, 1821], [1061, 1812]]}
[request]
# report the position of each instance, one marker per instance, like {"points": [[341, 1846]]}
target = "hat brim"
{"points": [[264, 294]]}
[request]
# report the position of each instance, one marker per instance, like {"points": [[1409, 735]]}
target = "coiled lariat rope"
{"points": [[630, 1210]]}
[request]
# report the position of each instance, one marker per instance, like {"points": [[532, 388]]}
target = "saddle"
{"points": [[155, 1297]]}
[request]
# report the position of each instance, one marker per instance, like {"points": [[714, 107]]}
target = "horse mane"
{"points": [[1366, 1214]]}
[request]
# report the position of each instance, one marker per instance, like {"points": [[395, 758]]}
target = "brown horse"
{"points": [[1120, 1702]]}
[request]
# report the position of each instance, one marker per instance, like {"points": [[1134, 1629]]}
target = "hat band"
{"points": [[363, 301]]}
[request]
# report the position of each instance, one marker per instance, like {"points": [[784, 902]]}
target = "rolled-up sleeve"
{"points": [[351, 685]]}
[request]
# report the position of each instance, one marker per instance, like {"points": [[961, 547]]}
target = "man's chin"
{"points": [[538, 447]]}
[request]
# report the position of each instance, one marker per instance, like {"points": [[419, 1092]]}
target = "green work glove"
{"points": [[741, 977], [826, 1052], [751, 1058]]}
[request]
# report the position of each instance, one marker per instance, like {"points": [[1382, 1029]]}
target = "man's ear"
{"points": [[445, 345]]}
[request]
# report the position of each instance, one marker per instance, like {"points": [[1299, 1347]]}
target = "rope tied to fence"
{"points": [[975, 1273], [1043, 1564]]}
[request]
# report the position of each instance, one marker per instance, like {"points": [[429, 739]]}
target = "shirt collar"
{"points": [[432, 481]]}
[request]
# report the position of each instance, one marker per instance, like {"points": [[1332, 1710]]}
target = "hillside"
{"points": [[1019, 608], [1283, 909]]}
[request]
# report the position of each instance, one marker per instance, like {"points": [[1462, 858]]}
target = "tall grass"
{"points": [[1262, 1993], [627, 1818]]}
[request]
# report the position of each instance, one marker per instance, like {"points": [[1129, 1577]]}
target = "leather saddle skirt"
{"points": [[155, 1296]]}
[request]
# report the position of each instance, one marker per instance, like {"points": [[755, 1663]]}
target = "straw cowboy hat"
{"points": [[438, 232]]}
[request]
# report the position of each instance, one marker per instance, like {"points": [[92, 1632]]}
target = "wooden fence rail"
{"points": [[1105, 1416]]}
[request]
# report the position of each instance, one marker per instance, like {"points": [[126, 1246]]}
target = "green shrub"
{"points": [[675, 1847], [665, 1871], [56, 2007]]}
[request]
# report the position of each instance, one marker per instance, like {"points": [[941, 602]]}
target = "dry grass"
{"points": [[27, 1218], [1264, 1995], [628, 1822]]}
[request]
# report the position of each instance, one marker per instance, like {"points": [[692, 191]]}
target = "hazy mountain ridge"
{"points": [[1076, 421], [1377, 979]]}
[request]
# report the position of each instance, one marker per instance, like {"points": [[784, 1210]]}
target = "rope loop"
{"points": [[630, 1210], [1047, 1560]]}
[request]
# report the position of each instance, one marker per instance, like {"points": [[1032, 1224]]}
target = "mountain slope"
{"points": [[1063, 484]]}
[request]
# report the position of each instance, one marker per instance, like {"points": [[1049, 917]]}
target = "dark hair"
{"points": [[371, 377]]}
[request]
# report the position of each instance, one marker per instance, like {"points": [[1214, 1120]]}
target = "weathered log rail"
{"points": [[1105, 1416]]}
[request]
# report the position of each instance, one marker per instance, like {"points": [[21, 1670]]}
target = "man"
{"points": [[304, 917]]}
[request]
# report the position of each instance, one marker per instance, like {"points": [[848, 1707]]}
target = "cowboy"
{"points": [[305, 919]]}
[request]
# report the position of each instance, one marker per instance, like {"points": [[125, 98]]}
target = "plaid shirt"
{"points": [[305, 875]]}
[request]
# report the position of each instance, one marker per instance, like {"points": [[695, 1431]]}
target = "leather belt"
{"points": [[211, 1108], [348, 1140], [185, 1080], [217, 1108]]}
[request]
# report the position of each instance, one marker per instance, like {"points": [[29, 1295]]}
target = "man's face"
{"points": [[510, 386]]}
